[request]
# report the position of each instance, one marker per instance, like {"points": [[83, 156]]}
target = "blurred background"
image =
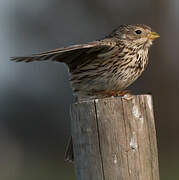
{"points": [[35, 97]]}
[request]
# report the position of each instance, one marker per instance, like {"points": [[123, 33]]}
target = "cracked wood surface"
{"points": [[115, 139]]}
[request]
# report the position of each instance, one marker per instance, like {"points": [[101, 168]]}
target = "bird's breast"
{"points": [[129, 69]]}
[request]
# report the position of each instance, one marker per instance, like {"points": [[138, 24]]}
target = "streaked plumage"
{"points": [[110, 64], [105, 67]]}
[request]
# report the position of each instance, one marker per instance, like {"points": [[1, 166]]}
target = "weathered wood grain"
{"points": [[115, 139]]}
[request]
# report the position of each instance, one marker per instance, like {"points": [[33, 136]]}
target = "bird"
{"points": [[104, 67]]}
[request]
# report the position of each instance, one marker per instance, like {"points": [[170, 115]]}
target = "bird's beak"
{"points": [[152, 35]]}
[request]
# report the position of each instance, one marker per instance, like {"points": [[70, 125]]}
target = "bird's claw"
{"points": [[127, 97]]}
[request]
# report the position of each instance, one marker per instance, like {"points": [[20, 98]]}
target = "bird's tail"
{"points": [[69, 156]]}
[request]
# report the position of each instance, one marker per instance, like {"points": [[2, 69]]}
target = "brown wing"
{"points": [[71, 55]]}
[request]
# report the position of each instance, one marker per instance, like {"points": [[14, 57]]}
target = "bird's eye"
{"points": [[138, 31]]}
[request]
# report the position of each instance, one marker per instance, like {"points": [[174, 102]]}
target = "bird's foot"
{"points": [[128, 97], [108, 93], [123, 93]]}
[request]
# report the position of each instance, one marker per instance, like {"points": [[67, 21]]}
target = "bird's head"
{"points": [[136, 36]]}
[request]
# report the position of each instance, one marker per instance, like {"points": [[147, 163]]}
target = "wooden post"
{"points": [[115, 139]]}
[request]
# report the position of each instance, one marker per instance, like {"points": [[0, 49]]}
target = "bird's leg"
{"points": [[122, 93], [109, 93], [125, 94], [104, 93]]}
